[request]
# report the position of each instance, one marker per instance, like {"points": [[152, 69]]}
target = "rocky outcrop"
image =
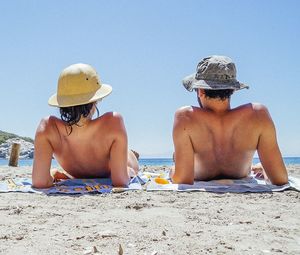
{"points": [[26, 150]]}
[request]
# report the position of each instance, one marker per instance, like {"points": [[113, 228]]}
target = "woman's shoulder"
{"points": [[110, 121], [110, 116], [48, 122]]}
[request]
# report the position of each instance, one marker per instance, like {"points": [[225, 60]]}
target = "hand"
{"points": [[259, 171], [57, 174], [131, 172]]}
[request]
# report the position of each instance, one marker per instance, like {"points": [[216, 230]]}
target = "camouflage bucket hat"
{"points": [[216, 73]]}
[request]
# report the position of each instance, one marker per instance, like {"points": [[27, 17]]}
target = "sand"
{"points": [[140, 222]]}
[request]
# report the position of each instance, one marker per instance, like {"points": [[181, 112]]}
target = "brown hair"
{"points": [[72, 114], [221, 94]]}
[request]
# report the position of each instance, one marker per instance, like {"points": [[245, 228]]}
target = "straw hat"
{"points": [[78, 84]]}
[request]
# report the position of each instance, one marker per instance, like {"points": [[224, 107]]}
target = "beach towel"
{"points": [[148, 181], [162, 181], [69, 186]]}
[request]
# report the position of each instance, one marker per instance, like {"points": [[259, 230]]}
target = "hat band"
{"points": [[216, 77]]}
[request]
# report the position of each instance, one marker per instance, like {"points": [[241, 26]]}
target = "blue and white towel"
{"points": [[148, 181], [69, 186], [249, 184]]}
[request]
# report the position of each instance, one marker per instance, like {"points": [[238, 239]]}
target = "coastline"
{"points": [[149, 222]]}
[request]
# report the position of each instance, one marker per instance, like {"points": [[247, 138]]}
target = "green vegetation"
{"points": [[4, 136]]}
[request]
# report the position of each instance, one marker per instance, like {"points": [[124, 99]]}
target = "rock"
{"points": [[26, 151]]}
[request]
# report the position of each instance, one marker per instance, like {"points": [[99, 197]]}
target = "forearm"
{"points": [[120, 177], [43, 152], [180, 179], [279, 176], [274, 167], [41, 182]]}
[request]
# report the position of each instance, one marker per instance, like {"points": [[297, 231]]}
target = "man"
{"points": [[216, 141], [84, 147]]}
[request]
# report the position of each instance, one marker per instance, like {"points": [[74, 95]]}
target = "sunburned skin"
{"points": [[216, 141]]}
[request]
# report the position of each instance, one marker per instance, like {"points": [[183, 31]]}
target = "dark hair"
{"points": [[72, 114], [221, 94]]}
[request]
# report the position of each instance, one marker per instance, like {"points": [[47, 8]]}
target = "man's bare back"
{"points": [[215, 141]]}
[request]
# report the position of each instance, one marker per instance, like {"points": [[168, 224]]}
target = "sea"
{"points": [[149, 161]]}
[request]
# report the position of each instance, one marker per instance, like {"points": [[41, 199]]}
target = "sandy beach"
{"points": [[139, 222]]}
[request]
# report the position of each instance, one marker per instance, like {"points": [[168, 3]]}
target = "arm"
{"points": [[268, 149], [43, 152], [119, 153], [184, 151]]}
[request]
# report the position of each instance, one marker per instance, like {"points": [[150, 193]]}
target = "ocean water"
{"points": [[150, 161], [169, 161]]}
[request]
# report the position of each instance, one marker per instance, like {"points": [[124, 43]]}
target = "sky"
{"points": [[144, 49]]}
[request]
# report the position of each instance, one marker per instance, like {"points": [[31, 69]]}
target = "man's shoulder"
{"points": [[262, 113], [258, 107], [255, 111], [260, 110], [187, 111], [252, 107], [187, 115]]}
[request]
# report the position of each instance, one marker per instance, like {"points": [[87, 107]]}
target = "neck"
{"points": [[216, 105], [83, 121]]}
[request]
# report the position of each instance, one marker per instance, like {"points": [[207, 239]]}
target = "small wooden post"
{"points": [[14, 154]]}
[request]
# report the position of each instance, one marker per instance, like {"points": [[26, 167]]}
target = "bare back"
{"points": [[226, 151], [96, 149], [209, 145], [86, 150]]}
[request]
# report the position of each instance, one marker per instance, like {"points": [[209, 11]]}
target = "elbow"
{"points": [[280, 182], [121, 182], [178, 180], [39, 184]]}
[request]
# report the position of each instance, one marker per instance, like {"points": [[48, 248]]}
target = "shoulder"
{"points": [[256, 109], [110, 121], [260, 115], [189, 114], [46, 123], [185, 112], [47, 127], [261, 111], [185, 117], [113, 117]]}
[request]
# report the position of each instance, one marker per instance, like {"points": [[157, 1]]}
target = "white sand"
{"points": [[149, 222]]}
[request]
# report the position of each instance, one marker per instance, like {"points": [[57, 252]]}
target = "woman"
{"points": [[84, 147]]}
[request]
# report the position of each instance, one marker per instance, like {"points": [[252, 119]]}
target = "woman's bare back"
{"points": [[94, 148]]}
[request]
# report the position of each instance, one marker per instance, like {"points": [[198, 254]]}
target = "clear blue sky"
{"points": [[144, 49]]}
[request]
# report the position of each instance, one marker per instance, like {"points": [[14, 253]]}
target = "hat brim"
{"points": [[191, 83], [67, 101]]}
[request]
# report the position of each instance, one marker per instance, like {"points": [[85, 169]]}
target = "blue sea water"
{"points": [[149, 161], [169, 161]]}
